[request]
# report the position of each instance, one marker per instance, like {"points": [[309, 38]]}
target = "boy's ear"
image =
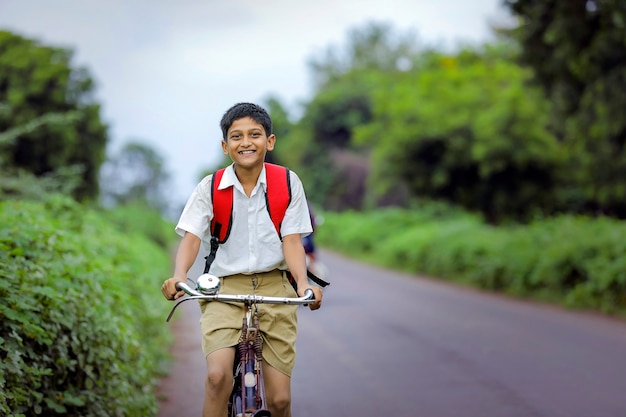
{"points": [[224, 147], [271, 141]]}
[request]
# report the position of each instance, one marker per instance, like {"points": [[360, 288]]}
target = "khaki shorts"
{"points": [[221, 322]]}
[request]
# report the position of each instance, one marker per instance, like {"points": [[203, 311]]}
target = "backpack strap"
{"points": [[221, 222], [311, 276], [222, 200], [278, 195], [277, 199]]}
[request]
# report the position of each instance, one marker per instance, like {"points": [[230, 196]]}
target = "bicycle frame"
{"points": [[248, 395]]}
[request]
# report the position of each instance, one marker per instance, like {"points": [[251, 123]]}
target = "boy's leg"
{"points": [[277, 391], [219, 382]]}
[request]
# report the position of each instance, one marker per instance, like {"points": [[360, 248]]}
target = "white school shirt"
{"points": [[253, 245]]}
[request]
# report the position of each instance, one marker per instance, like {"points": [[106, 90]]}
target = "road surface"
{"points": [[390, 344]]}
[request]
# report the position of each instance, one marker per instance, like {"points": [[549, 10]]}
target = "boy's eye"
{"points": [[237, 136]]}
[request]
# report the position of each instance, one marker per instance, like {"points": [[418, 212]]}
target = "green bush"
{"points": [[575, 261], [357, 237], [583, 259], [362, 235], [81, 320], [139, 218]]}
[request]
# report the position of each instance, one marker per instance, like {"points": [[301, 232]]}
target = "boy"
{"points": [[252, 260]]}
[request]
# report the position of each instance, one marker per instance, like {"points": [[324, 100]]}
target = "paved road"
{"points": [[390, 344]]}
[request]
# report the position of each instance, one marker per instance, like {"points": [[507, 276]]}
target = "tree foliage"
{"points": [[48, 117], [474, 127], [136, 174], [466, 130], [460, 127], [375, 46], [337, 110], [576, 50], [344, 78], [281, 127]]}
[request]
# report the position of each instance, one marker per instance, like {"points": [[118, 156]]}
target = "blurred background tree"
{"points": [[391, 123], [281, 127], [529, 125], [48, 115], [463, 129], [333, 166], [577, 50], [136, 175]]}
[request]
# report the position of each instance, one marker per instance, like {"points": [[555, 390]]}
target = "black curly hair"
{"points": [[241, 110]]}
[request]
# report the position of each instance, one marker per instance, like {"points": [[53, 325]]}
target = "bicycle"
{"points": [[247, 398]]}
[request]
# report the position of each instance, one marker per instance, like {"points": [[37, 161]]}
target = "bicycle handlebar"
{"points": [[240, 298]]}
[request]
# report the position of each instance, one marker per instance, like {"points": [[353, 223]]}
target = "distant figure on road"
{"points": [[307, 241], [313, 262]]}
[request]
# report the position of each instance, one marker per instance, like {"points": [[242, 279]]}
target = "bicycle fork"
{"points": [[251, 396]]}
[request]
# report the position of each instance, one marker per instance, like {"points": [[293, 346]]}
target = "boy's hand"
{"points": [[314, 304], [169, 289]]}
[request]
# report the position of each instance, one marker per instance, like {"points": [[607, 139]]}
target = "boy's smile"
{"points": [[247, 143]]}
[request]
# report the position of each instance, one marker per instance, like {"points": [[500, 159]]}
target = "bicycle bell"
{"points": [[208, 284]]}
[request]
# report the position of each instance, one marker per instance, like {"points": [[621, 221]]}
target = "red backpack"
{"points": [[277, 199]]}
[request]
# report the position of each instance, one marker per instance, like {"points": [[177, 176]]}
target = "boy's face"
{"points": [[247, 143]]}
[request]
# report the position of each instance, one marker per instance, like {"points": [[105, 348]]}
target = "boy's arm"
{"points": [[185, 258], [296, 262]]}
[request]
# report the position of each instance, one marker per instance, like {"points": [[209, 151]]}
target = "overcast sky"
{"points": [[166, 70]]}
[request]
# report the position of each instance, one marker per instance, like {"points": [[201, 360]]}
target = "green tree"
{"points": [[344, 78], [21, 184], [374, 46], [576, 50], [464, 129], [335, 167], [38, 83], [136, 174], [281, 127]]}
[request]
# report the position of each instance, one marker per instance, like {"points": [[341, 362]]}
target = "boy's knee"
{"points": [[218, 380], [280, 402]]}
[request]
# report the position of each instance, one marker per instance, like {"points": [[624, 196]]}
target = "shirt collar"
{"points": [[230, 179]]}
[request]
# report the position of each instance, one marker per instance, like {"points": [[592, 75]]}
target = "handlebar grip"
{"points": [[308, 293], [182, 286]]}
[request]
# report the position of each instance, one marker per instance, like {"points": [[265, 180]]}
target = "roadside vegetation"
{"points": [[570, 260], [81, 325]]}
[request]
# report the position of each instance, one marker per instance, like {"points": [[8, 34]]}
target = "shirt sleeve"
{"points": [[198, 211], [297, 218]]}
